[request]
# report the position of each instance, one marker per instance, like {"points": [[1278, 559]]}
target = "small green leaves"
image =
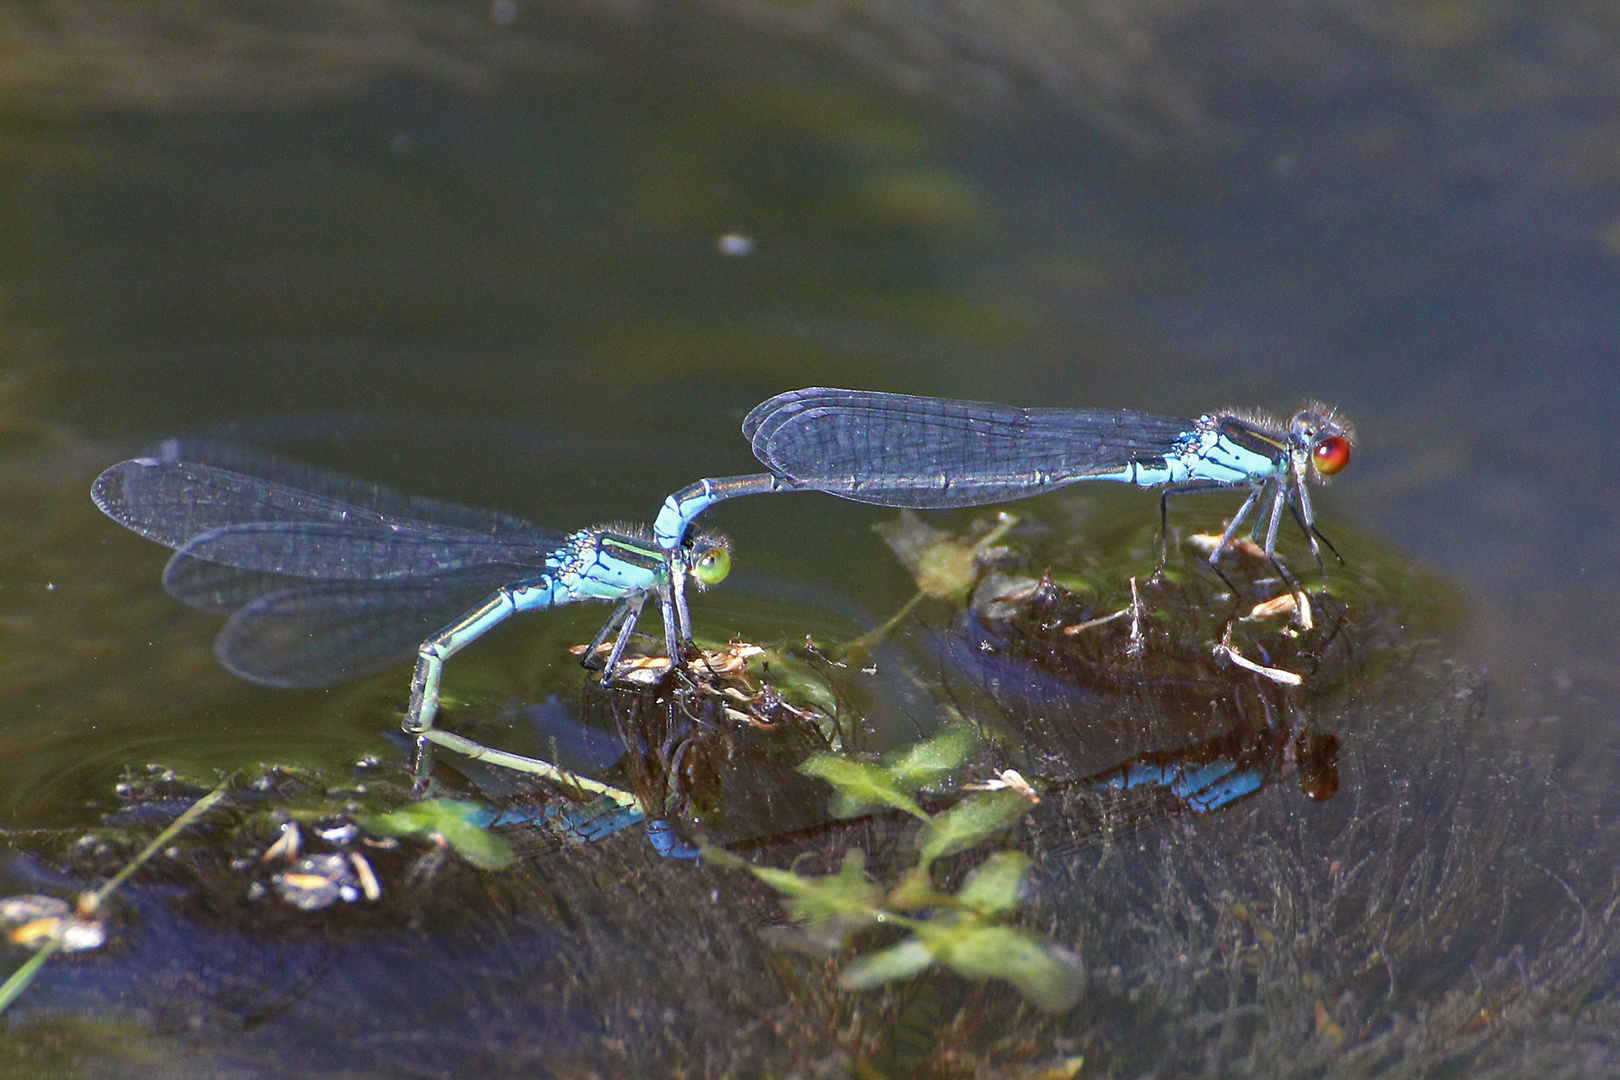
{"points": [[992, 889], [946, 568], [1047, 974], [911, 957], [846, 897], [451, 822], [971, 942], [933, 760], [970, 821], [964, 932], [859, 786]]}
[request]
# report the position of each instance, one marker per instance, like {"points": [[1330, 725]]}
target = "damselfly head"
{"points": [[1321, 434], [708, 558]]}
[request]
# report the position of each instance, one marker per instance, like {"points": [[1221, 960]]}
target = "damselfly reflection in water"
{"points": [[739, 785], [327, 577], [932, 453], [1124, 734], [1116, 723]]}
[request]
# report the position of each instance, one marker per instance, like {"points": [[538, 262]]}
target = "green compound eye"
{"points": [[713, 566]]}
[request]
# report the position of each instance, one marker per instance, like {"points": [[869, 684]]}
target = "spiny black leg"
{"points": [[1311, 534], [1164, 520], [1328, 544], [613, 625], [677, 584], [1287, 577], [1237, 597], [672, 626], [677, 634], [1226, 581], [1274, 519], [1302, 608], [682, 640], [1236, 523], [632, 608]]}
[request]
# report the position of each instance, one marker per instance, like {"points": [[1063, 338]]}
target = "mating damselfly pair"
{"points": [[326, 577]]}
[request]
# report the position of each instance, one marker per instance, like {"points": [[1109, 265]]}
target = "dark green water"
{"points": [[479, 258]]}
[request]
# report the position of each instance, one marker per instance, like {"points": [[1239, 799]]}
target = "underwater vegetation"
{"points": [[1114, 850]]}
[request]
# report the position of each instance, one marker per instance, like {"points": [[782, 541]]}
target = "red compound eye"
{"points": [[1332, 454]]}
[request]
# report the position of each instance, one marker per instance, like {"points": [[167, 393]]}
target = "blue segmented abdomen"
{"points": [[540, 594]]}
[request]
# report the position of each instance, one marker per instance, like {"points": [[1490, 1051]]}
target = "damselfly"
{"points": [[327, 577], [923, 452]]}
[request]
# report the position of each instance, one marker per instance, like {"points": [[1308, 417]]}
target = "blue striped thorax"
{"points": [[609, 565], [1228, 449]]}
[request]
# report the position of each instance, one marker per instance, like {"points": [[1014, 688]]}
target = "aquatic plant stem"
{"points": [[90, 902]]}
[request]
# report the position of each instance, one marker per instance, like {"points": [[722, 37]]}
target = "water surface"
{"points": [[475, 252]]}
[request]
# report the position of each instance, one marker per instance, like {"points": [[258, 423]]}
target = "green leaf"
{"points": [[945, 565], [480, 847], [932, 760], [860, 786], [915, 892], [453, 821], [992, 888], [970, 821], [1074, 582], [718, 856], [418, 817], [846, 896], [913, 540], [1047, 974], [900, 961]]}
